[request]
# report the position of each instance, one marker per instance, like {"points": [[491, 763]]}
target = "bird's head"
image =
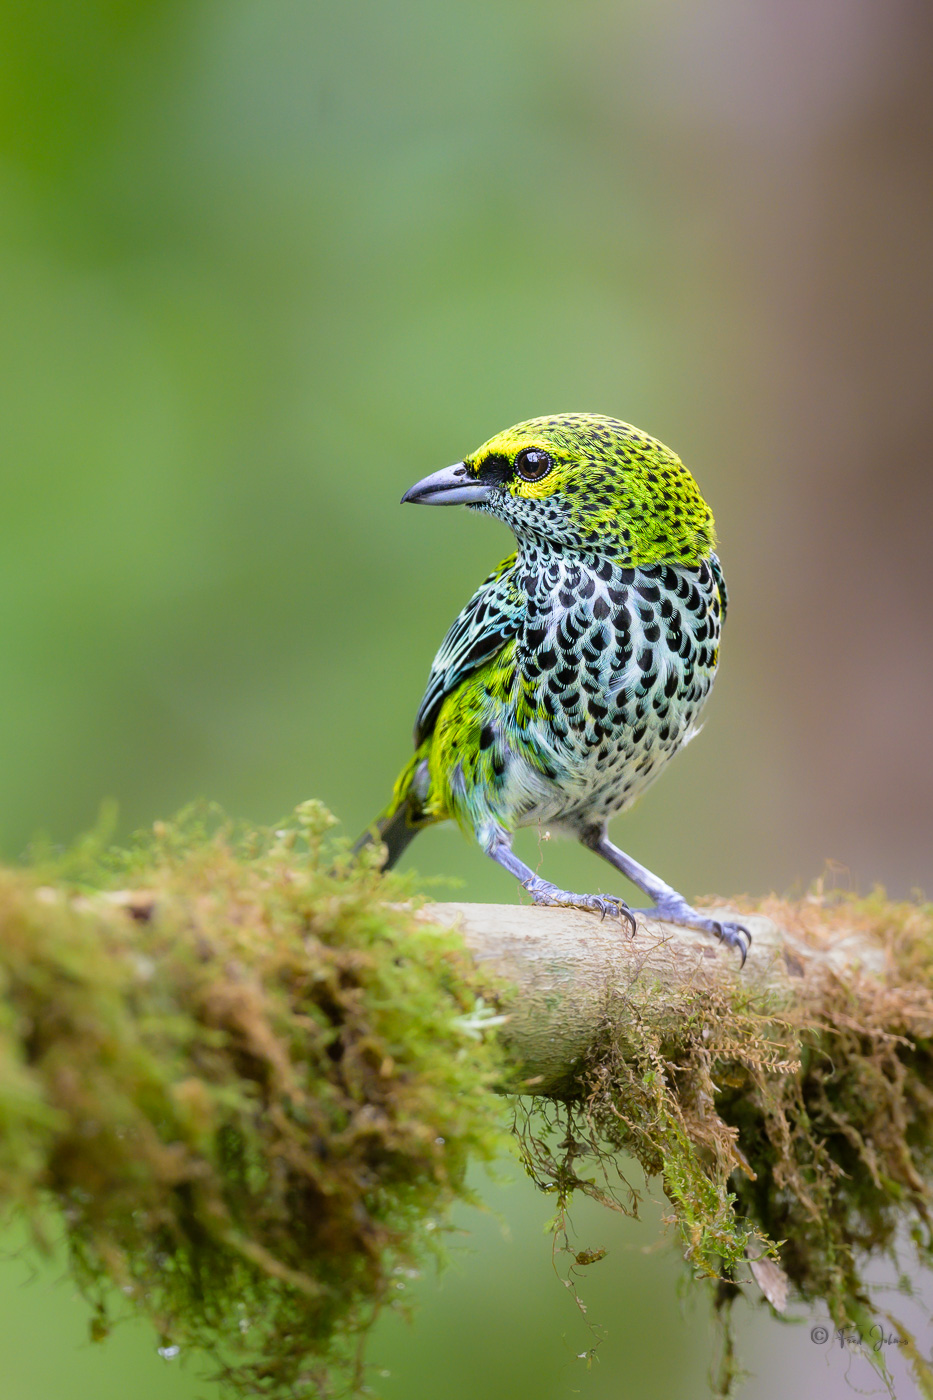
{"points": [[581, 481]]}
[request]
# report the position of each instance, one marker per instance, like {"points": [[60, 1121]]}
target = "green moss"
{"points": [[251, 1087], [799, 1131], [251, 1082]]}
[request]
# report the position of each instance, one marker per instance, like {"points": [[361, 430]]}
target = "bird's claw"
{"points": [[601, 904], [734, 936]]}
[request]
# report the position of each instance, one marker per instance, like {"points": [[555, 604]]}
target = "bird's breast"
{"points": [[612, 667]]}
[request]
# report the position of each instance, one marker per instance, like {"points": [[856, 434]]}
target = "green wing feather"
{"points": [[486, 625], [489, 621]]}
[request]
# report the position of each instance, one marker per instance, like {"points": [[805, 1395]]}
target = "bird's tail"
{"points": [[405, 815]]}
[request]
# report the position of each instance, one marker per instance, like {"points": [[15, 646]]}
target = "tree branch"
{"points": [[250, 1075], [568, 967]]}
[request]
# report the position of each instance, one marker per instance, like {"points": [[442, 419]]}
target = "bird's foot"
{"points": [[543, 892], [678, 911]]}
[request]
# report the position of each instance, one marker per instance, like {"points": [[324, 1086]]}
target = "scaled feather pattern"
{"points": [[580, 665]]}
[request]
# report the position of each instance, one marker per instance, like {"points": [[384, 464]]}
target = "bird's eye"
{"points": [[532, 464]]}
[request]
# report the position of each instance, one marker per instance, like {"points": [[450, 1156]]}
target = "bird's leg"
{"points": [[668, 906], [498, 845]]}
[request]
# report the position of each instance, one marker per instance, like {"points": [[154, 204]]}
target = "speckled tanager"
{"points": [[579, 666]]}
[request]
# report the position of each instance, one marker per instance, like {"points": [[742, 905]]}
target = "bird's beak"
{"points": [[452, 486]]}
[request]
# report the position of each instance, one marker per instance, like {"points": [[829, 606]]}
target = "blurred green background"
{"points": [[262, 267]]}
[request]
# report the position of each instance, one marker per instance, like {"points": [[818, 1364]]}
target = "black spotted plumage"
{"points": [[580, 665]]}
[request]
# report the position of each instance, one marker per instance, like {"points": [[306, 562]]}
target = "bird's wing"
{"points": [[489, 620]]}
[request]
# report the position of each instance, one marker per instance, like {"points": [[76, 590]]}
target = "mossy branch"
{"points": [[786, 1106], [251, 1074], [571, 970]]}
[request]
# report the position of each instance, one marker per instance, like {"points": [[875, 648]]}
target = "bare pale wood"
{"points": [[570, 970]]}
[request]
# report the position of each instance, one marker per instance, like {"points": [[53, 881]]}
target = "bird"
{"points": [[580, 665]]}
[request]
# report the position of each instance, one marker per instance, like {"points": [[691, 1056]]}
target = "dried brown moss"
{"points": [[798, 1131], [250, 1101], [252, 1085]]}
